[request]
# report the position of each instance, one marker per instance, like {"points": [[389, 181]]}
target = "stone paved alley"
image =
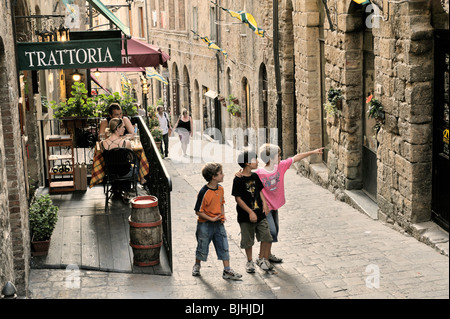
{"points": [[330, 250]]}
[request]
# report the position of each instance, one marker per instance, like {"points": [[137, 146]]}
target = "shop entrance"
{"points": [[369, 148], [441, 172]]}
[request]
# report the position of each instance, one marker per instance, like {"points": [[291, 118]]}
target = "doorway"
{"points": [[441, 172], [264, 105], [370, 144]]}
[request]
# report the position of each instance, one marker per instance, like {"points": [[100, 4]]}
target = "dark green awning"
{"points": [[100, 7]]}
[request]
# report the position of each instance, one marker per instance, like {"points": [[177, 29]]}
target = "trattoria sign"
{"points": [[77, 54]]}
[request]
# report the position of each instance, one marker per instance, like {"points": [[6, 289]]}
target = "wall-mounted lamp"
{"points": [[76, 76], [97, 73], [60, 34], [144, 84], [63, 33]]}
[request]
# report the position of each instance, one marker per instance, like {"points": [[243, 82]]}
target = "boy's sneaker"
{"points": [[264, 264], [275, 259], [196, 270], [250, 267], [231, 274]]}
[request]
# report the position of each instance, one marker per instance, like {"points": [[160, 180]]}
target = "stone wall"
{"points": [[13, 200], [403, 81], [406, 70]]}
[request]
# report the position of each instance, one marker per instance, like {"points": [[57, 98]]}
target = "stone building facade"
{"points": [[386, 49], [14, 231]]}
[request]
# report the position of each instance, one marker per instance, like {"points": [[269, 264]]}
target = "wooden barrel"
{"points": [[145, 230]]}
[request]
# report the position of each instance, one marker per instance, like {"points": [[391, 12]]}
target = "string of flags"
{"points": [[362, 2], [151, 73], [211, 44], [246, 18], [125, 84]]}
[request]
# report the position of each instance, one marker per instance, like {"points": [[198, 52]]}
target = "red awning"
{"points": [[140, 55], [93, 78]]}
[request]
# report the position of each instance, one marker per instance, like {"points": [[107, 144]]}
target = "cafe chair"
{"points": [[121, 172]]}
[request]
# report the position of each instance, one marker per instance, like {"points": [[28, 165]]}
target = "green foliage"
{"points": [[233, 108], [157, 134], [331, 106], [376, 111], [152, 117], [125, 101], [128, 105], [78, 105], [231, 97], [43, 217]]}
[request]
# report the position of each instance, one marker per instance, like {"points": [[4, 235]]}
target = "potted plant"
{"points": [[78, 105], [376, 111], [126, 102], [152, 117], [333, 106], [222, 100], [234, 109], [157, 135], [43, 216], [232, 99]]}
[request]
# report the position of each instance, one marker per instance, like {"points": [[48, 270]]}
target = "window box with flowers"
{"points": [[376, 111]]}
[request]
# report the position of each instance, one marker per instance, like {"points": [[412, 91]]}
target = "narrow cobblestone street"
{"points": [[330, 250]]}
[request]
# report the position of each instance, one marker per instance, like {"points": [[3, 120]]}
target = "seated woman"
{"points": [[115, 112], [115, 139]]}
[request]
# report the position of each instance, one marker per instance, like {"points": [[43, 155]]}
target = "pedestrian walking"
{"points": [[184, 129], [252, 210], [272, 177], [210, 224], [166, 128]]}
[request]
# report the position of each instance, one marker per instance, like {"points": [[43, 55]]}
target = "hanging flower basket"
{"points": [[333, 106], [376, 111]]}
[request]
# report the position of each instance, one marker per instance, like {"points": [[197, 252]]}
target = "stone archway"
{"points": [[186, 90]]}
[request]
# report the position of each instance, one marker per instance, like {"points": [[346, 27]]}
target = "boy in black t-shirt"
{"points": [[252, 210]]}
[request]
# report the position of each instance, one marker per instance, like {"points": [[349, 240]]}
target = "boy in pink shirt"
{"points": [[272, 178]]}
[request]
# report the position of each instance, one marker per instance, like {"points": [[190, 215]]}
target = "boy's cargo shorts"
{"points": [[248, 231], [215, 232]]}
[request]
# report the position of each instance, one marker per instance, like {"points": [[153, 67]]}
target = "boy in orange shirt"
{"points": [[211, 216]]}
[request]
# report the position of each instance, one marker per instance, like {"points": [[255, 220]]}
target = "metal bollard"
{"points": [[9, 291]]}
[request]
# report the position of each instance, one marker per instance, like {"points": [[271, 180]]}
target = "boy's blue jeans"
{"points": [[215, 232], [272, 218]]}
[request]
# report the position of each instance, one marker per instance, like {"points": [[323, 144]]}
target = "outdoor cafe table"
{"points": [[98, 166]]}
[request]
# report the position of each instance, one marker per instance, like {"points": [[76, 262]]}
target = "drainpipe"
{"points": [[276, 59]]}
